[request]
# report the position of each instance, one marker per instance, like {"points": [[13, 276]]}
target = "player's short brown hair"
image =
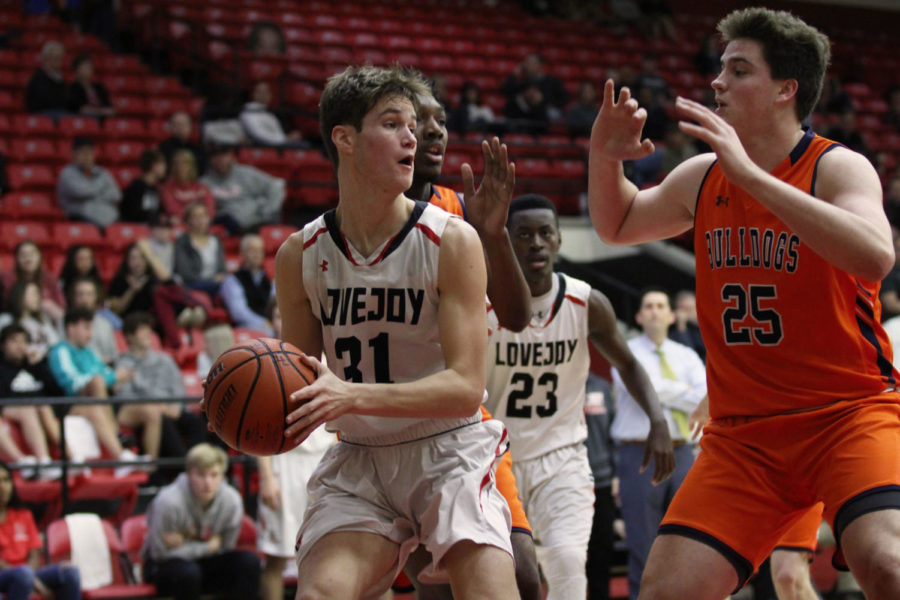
{"points": [[792, 49], [350, 95]]}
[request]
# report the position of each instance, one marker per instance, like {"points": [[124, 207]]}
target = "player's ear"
{"points": [[787, 89], [343, 139]]}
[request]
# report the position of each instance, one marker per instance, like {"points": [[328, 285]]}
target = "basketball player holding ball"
{"points": [[392, 291]]}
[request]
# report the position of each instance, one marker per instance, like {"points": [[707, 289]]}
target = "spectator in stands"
{"points": [[29, 266], [440, 89], [79, 371], [657, 21], [193, 528], [892, 199], [581, 115], [140, 200], [87, 192], [708, 59], [245, 196], [262, 125], [157, 376], [529, 74], [86, 96], [183, 189], [527, 112], [46, 92], [472, 114], [80, 261], [247, 291], [846, 132], [650, 77], [133, 287], [181, 128], [677, 148], [199, 256], [25, 309], [22, 553], [834, 99], [20, 377], [266, 39], [599, 408], [87, 294], [686, 330], [892, 116]]}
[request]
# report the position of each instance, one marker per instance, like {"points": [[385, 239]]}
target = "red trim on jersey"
{"points": [[314, 237], [429, 233], [577, 301], [347, 250]]}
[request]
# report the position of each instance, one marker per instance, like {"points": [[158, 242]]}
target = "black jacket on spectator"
{"points": [[140, 202], [78, 96], [45, 93], [27, 380], [257, 295]]}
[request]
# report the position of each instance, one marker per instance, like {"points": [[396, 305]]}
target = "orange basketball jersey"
{"points": [[447, 199], [784, 329]]}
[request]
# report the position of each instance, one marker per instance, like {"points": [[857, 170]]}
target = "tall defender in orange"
{"points": [[791, 241]]}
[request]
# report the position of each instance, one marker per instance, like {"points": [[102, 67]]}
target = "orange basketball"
{"points": [[247, 395]]}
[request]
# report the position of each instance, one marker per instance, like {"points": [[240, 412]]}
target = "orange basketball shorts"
{"points": [[756, 477]]}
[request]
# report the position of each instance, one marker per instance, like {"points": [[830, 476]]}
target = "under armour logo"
{"points": [[324, 266], [722, 200]]}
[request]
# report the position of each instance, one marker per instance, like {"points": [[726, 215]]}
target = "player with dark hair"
{"points": [[791, 241]]}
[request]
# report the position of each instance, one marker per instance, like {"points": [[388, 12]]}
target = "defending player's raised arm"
{"points": [[607, 338], [299, 325], [487, 210], [620, 213], [849, 229]]}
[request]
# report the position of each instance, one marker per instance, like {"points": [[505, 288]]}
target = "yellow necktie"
{"points": [[679, 416]]}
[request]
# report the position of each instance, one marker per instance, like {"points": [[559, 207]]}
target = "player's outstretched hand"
{"points": [[325, 399], [702, 123], [616, 133], [699, 418], [487, 207], [659, 448]]}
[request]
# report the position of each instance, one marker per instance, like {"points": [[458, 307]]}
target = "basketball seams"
{"points": [[284, 406], [240, 426], [300, 372]]}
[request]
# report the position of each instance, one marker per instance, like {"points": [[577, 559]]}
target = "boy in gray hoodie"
{"points": [[193, 527]]}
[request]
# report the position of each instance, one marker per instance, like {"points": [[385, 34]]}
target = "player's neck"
{"points": [[420, 190], [768, 146], [368, 226]]}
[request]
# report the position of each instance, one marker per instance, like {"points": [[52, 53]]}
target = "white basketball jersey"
{"points": [[378, 313], [536, 378]]}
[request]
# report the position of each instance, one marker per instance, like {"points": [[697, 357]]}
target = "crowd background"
{"points": [[154, 154]]}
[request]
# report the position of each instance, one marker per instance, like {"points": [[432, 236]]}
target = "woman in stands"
{"points": [[86, 96], [199, 255], [80, 261], [131, 288], [29, 266], [182, 189], [25, 308], [21, 549]]}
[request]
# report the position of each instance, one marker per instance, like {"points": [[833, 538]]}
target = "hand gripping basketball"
{"points": [[247, 394]]}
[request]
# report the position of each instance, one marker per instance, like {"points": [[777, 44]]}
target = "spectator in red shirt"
{"points": [[182, 188], [20, 553]]}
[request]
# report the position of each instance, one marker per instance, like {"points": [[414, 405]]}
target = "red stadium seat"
{"points": [[131, 106], [243, 334], [59, 548], [120, 235], [129, 85], [123, 152], [79, 126], [31, 177], [124, 175], [274, 235], [28, 206], [129, 129], [35, 150], [11, 233], [31, 126], [72, 232]]}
